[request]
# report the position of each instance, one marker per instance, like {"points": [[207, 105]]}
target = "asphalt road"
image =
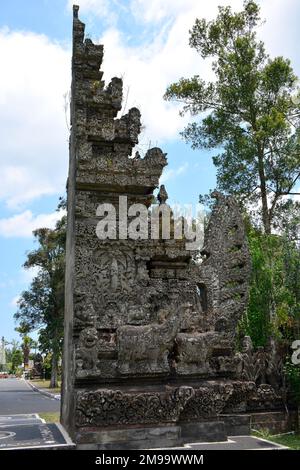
{"points": [[16, 397]]}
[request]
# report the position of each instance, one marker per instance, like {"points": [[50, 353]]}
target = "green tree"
{"points": [[34, 347], [291, 261], [16, 359], [274, 300], [24, 329], [42, 305], [8, 352], [249, 113]]}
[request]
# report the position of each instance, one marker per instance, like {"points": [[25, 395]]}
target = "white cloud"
{"points": [[14, 301], [158, 10], [97, 7], [171, 173], [146, 72], [35, 74], [25, 276], [22, 225], [152, 11]]}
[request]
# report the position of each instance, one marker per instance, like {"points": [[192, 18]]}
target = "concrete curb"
{"points": [[43, 392]]}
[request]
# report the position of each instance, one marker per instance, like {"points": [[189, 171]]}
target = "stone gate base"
{"points": [[176, 435], [164, 436], [153, 437]]}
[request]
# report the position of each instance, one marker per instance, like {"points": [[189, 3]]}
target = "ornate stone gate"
{"points": [[149, 353]]}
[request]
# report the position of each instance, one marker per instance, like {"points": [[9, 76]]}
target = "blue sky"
{"points": [[146, 42]]}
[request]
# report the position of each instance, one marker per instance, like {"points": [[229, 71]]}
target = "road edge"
{"points": [[43, 392]]}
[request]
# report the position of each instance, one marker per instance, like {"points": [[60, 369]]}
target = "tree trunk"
{"points": [[26, 352], [54, 372], [264, 196]]}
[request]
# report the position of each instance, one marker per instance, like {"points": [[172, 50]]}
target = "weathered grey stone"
{"points": [[145, 437], [205, 431], [129, 438], [263, 366], [237, 425]]}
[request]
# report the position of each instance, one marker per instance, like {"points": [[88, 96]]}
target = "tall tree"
{"points": [[249, 112], [27, 342], [42, 305], [16, 359]]}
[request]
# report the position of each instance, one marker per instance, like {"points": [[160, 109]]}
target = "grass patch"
{"points": [[45, 384], [50, 417], [288, 440]]}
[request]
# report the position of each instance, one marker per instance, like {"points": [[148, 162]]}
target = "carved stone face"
{"points": [[88, 338], [247, 344], [185, 392], [135, 314]]}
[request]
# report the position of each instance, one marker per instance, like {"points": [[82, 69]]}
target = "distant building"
{"points": [[2, 352]]}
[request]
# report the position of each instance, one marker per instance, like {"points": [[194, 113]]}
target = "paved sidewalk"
{"points": [[31, 432], [236, 443]]}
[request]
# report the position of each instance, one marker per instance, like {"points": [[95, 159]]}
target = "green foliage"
{"points": [[248, 113], [292, 372], [8, 353], [50, 417], [42, 305], [17, 359], [291, 440], [47, 366], [274, 301], [263, 433], [27, 342]]}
